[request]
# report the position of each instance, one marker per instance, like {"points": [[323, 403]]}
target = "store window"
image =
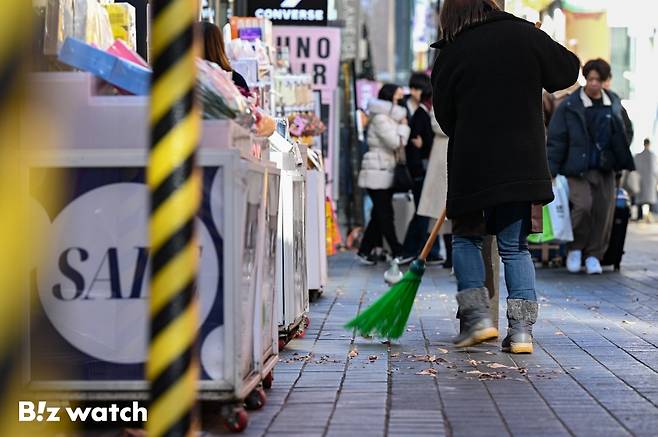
{"points": [[620, 44]]}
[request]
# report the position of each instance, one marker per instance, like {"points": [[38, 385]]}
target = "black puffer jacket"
{"points": [[487, 91], [569, 139]]}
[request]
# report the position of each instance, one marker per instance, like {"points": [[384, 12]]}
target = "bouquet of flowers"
{"points": [[306, 125]]}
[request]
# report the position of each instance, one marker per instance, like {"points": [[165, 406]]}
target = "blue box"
{"points": [[119, 72]]}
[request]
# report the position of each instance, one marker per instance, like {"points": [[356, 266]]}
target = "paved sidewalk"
{"points": [[593, 373]]}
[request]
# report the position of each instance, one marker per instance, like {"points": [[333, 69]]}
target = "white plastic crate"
{"points": [[90, 286]]}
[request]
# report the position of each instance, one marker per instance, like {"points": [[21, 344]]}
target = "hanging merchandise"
{"points": [[85, 20], [252, 28], [124, 24]]}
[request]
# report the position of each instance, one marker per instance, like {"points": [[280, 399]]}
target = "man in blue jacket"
{"points": [[587, 143]]}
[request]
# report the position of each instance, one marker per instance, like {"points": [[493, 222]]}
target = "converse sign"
{"points": [[290, 12]]}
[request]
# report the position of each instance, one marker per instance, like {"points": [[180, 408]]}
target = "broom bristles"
{"points": [[387, 316]]}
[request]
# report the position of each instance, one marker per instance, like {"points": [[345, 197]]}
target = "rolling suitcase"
{"points": [[615, 250], [404, 209]]}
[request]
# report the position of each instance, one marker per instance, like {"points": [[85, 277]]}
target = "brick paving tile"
{"points": [[593, 372]]}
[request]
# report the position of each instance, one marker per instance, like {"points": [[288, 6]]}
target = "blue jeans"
{"points": [[511, 224]]}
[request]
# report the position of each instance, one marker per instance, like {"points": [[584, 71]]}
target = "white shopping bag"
{"points": [[559, 212]]}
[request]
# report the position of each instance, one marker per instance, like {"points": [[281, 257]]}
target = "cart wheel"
{"points": [[301, 333], [314, 295], [255, 400], [617, 267], [282, 344], [307, 322], [267, 381], [237, 420]]}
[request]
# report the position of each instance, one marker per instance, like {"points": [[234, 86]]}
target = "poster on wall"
{"points": [[314, 51]]}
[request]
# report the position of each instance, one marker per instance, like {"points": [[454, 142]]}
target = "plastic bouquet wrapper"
{"points": [[220, 97], [306, 125]]}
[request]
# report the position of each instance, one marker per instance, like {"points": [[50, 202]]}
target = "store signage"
{"points": [[312, 50], [290, 12], [92, 280], [348, 12]]}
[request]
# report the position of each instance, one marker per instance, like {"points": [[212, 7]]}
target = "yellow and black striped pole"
{"points": [[14, 49], [175, 188]]}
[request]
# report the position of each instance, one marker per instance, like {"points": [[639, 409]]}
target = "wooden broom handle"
{"points": [[435, 231]]}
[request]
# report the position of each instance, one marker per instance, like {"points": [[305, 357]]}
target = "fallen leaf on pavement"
{"points": [[443, 351], [559, 333], [492, 375], [353, 353], [628, 322], [373, 357], [489, 353], [426, 358], [430, 371], [473, 363], [395, 354], [474, 372], [498, 366]]}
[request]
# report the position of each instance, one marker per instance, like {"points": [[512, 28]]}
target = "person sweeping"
{"points": [[487, 88]]}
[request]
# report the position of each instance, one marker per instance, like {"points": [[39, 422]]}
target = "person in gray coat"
{"points": [[646, 165]]}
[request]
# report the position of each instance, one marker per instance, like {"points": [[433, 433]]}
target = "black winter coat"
{"points": [[420, 125], [487, 92], [569, 138]]}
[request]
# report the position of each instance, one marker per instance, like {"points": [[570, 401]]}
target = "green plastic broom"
{"points": [[388, 316]]}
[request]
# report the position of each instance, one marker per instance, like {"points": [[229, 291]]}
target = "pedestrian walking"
{"points": [[646, 165], [487, 92], [435, 189], [388, 132], [419, 83], [417, 150], [587, 143]]}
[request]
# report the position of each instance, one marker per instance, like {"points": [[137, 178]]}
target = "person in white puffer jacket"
{"points": [[387, 132]]}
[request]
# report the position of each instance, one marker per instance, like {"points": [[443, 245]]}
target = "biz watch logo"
{"points": [[42, 412]]}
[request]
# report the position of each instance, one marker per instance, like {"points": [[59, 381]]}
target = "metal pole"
{"points": [[175, 189]]}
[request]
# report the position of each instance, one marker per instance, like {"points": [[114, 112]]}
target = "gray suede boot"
{"points": [[475, 324], [521, 315]]}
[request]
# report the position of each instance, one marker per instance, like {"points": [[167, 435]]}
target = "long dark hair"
{"points": [[457, 15], [213, 45], [387, 92]]}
